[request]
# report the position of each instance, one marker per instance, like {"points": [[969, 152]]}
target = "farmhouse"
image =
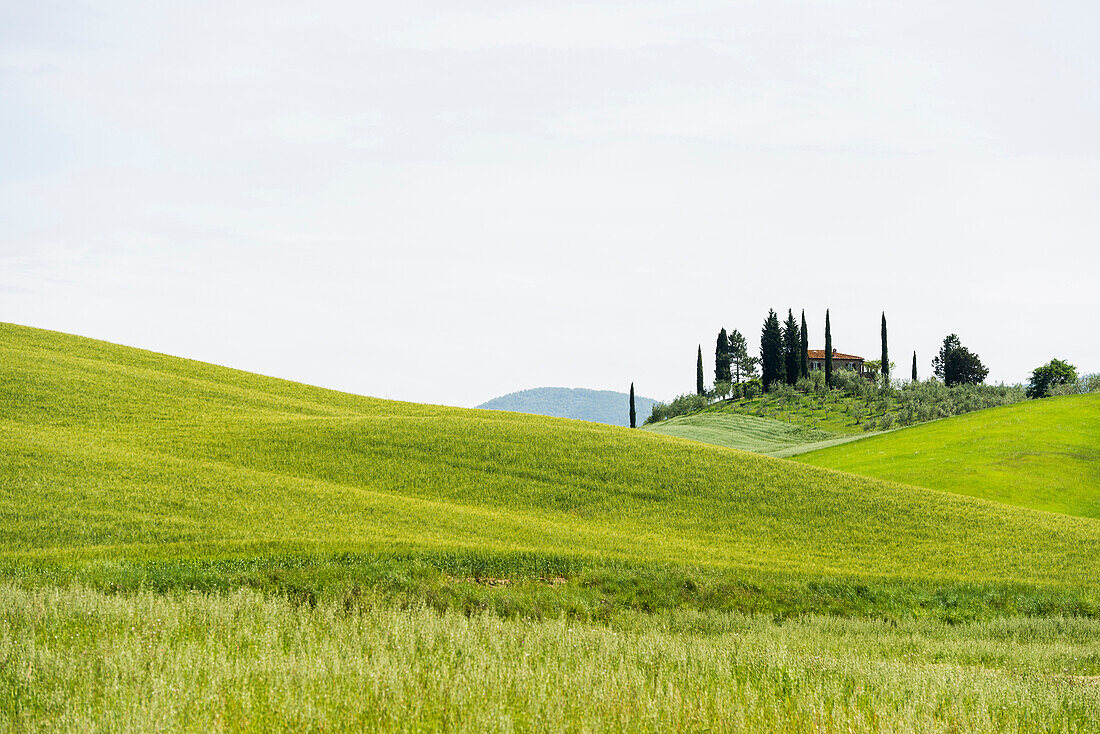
{"points": [[816, 358]]}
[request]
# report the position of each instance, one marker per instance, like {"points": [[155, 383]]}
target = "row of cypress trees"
{"points": [[784, 352]]}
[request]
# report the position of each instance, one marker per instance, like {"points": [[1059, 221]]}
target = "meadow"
{"points": [[186, 546], [738, 430], [73, 659], [1041, 454]]}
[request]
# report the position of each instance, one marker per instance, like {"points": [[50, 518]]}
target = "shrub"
{"points": [[804, 384], [1050, 376], [721, 390], [681, 405]]}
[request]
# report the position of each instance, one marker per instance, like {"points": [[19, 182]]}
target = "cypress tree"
{"points": [[885, 355], [791, 346], [771, 351], [914, 366], [828, 351], [722, 359], [699, 387], [804, 368], [633, 414]]}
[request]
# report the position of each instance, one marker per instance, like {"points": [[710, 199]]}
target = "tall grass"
{"points": [[72, 659]]}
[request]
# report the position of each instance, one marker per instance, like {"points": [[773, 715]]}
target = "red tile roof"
{"points": [[820, 354]]}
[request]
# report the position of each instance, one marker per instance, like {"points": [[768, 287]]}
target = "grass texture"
{"points": [[1041, 454], [185, 547], [741, 431], [80, 660], [111, 454]]}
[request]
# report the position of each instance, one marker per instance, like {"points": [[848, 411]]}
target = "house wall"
{"points": [[838, 364]]}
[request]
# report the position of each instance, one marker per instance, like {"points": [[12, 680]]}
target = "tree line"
{"points": [[784, 357], [784, 361]]}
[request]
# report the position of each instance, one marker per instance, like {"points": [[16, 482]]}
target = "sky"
{"points": [[448, 201]]}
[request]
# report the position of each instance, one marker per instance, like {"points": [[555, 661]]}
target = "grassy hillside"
{"points": [[723, 427], [114, 453], [188, 547], [598, 406], [1041, 454], [853, 406]]}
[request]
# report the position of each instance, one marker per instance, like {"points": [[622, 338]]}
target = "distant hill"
{"points": [[598, 406]]}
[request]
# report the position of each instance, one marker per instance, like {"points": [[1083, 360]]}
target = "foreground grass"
{"points": [[75, 659], [1041, 454]]}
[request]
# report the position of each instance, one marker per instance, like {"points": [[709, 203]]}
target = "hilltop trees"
{"points": [[885, 361], [804, 366], [914, 366], [633, 413], [700, 388], [722, 359], [771, 351], [744, 366], [957, 365], [828, 351], [792, 344], [1054, 372]]}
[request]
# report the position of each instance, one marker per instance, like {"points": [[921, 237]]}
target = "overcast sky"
{"points": [[447, 201]]}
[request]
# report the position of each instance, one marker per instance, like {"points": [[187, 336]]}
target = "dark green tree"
{"points": [[792, 345], [885, 355], [828, 351], [1054, 372], [633, 413], [804, 367], [914, 366], [700, 388], [957, 365], [722, 358], [771, 351], [742, 364]]}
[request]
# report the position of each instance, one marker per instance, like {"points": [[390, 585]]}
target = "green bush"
{"points": [[681, 405]]}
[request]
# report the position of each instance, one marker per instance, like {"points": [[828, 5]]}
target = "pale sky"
{"points": [[448, 201]]}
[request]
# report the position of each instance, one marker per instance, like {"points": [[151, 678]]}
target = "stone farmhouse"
{"points": [[816, 358]]}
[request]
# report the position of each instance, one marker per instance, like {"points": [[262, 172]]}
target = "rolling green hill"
{"points": [[746, 432], [360, 564], [1040, 454], [598, 406], [111, 453]]}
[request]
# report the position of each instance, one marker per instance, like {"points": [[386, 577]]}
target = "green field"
{"points": [[746, 432], [786, 421], [1043, 454], [143, 496], [80, 660], [113, 453]]}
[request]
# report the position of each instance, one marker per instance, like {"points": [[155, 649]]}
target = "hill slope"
{"points": [[745, 432], [597, 406], [108, 453], [1042, 454]]}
